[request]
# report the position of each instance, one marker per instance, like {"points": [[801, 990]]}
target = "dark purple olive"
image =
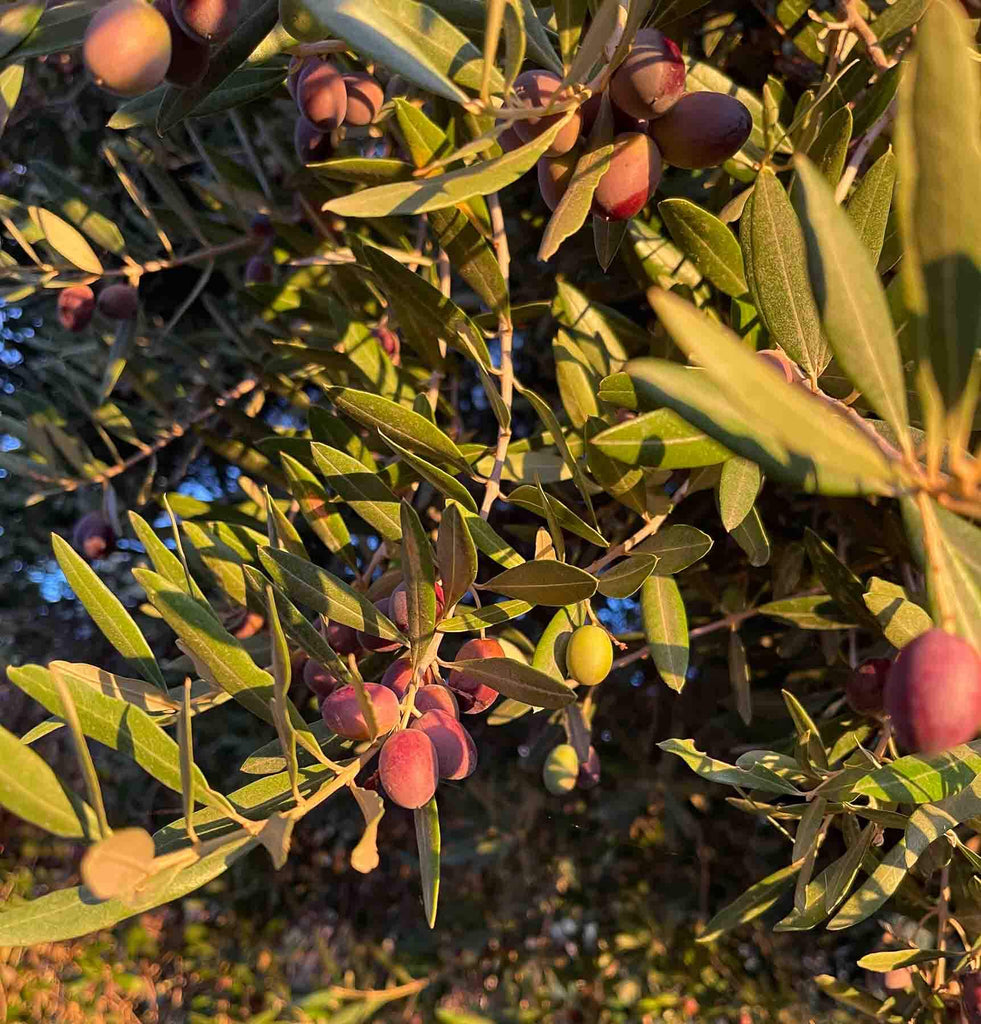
{"points": [[703, 129]]}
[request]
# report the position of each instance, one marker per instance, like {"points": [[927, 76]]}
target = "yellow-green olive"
{"points": [[561, 770], [589, 655]]}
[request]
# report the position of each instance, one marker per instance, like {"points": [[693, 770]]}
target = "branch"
{"points": [[862, 149], [857, 24]]}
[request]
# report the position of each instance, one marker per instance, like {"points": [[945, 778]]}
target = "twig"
{"points": [[506, 331], [379, 993], [943, 909], [862, 149], [250, 153], [318, 49], [854, 20]]}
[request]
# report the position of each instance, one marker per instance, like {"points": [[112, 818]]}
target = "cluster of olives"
{"points": [[94, 536], [131, 46], [588, 660], [931, 692], [327, 98], [77, 303], [655, 121], [435, 745]]}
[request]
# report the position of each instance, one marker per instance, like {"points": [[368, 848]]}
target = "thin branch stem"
{"points": [[857, 24], [862, 149]]}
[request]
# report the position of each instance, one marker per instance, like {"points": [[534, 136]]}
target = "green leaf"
{"points": [[529, 497], [362, 170], [401, 424], [756, 901], [66, 241], [365, 492], [890, 959], [470, 256], [853, 305], [419, 580], [145, 696], [11, 80], [318, 589], [447, 485], [316, 507], [253, 39], [666, 629], [32, 791], [710, 244], [739, 485], [107, 611], [661, 260], [164, 560], [777, 273], [900, 618], [457, 556], [577, 385], [931, 821], [874, 891], [17, 22], [607, 237], [470, 620], [940, 165], [845, 992], [569, 18], [626, 577], [69, 913], [117, 724], [813, 612], [222, 562], [713, 770], [488, 540], [519, 681], [424, 314], [752, 537], [660, 439], [78, 208], [830, 149], [546, 582], [549, 654], [425, 194], [841, 583], [428, 843], [676, 547], [868, 208], [603, 334], [791, 414]]}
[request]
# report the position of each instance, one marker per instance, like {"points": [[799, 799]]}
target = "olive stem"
{"points": [[943, 907], [848, 10], [862, 149], [506, 331]]}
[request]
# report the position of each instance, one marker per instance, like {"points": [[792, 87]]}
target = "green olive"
{"points": [[561, 769], [589, 655]]}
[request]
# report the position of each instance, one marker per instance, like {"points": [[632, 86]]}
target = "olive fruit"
{"points": [[258, 270], [342, 639], [321, 681], [703, 129], [189, 57], [652, 77], [94, 536], [311, 145], [75, 307], [589, 655], [118, 302], [262, 227], [398, 605], [321, 96], [472, 692], [561, 770], [866, 686], [398, 677], [436, 697], [970, 982], [127, 47], [630, 180], [342, 713], [377, 643], [509, 140], [621, 122], [933, 692], [554, 175], [536, 89], [780, 361], [208, 21], [456, 751], [589, 771], [365, 97], [408, 768], [296, 67]]}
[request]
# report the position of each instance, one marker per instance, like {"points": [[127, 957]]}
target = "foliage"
{"points": [[345, 383]]}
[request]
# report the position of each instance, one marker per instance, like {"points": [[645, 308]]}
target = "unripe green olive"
{"points": [[561, 770], [589, 655]]}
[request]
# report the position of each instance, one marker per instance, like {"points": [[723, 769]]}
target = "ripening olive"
{"points": [[780, 361], [408, 768], [208, 21], [589, 771], [561, 770], [554, 175], [321, 681], [703, 129], [630, 180], [866, 686], [456, 751], [127, 47], [311, 145], [296, 66], [365, 97], [589, 655], [321, 96], [342, 713], [398, 677], [343, 639], [376, 643], [536, 89], [436, 697], [262, 227], [652, 77], [622, 122], [970, 982], [258, 270], [509, 140], [94, 536], [472, 692], [933, 692], [75, 307], [118, 302], [189, 57]]}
